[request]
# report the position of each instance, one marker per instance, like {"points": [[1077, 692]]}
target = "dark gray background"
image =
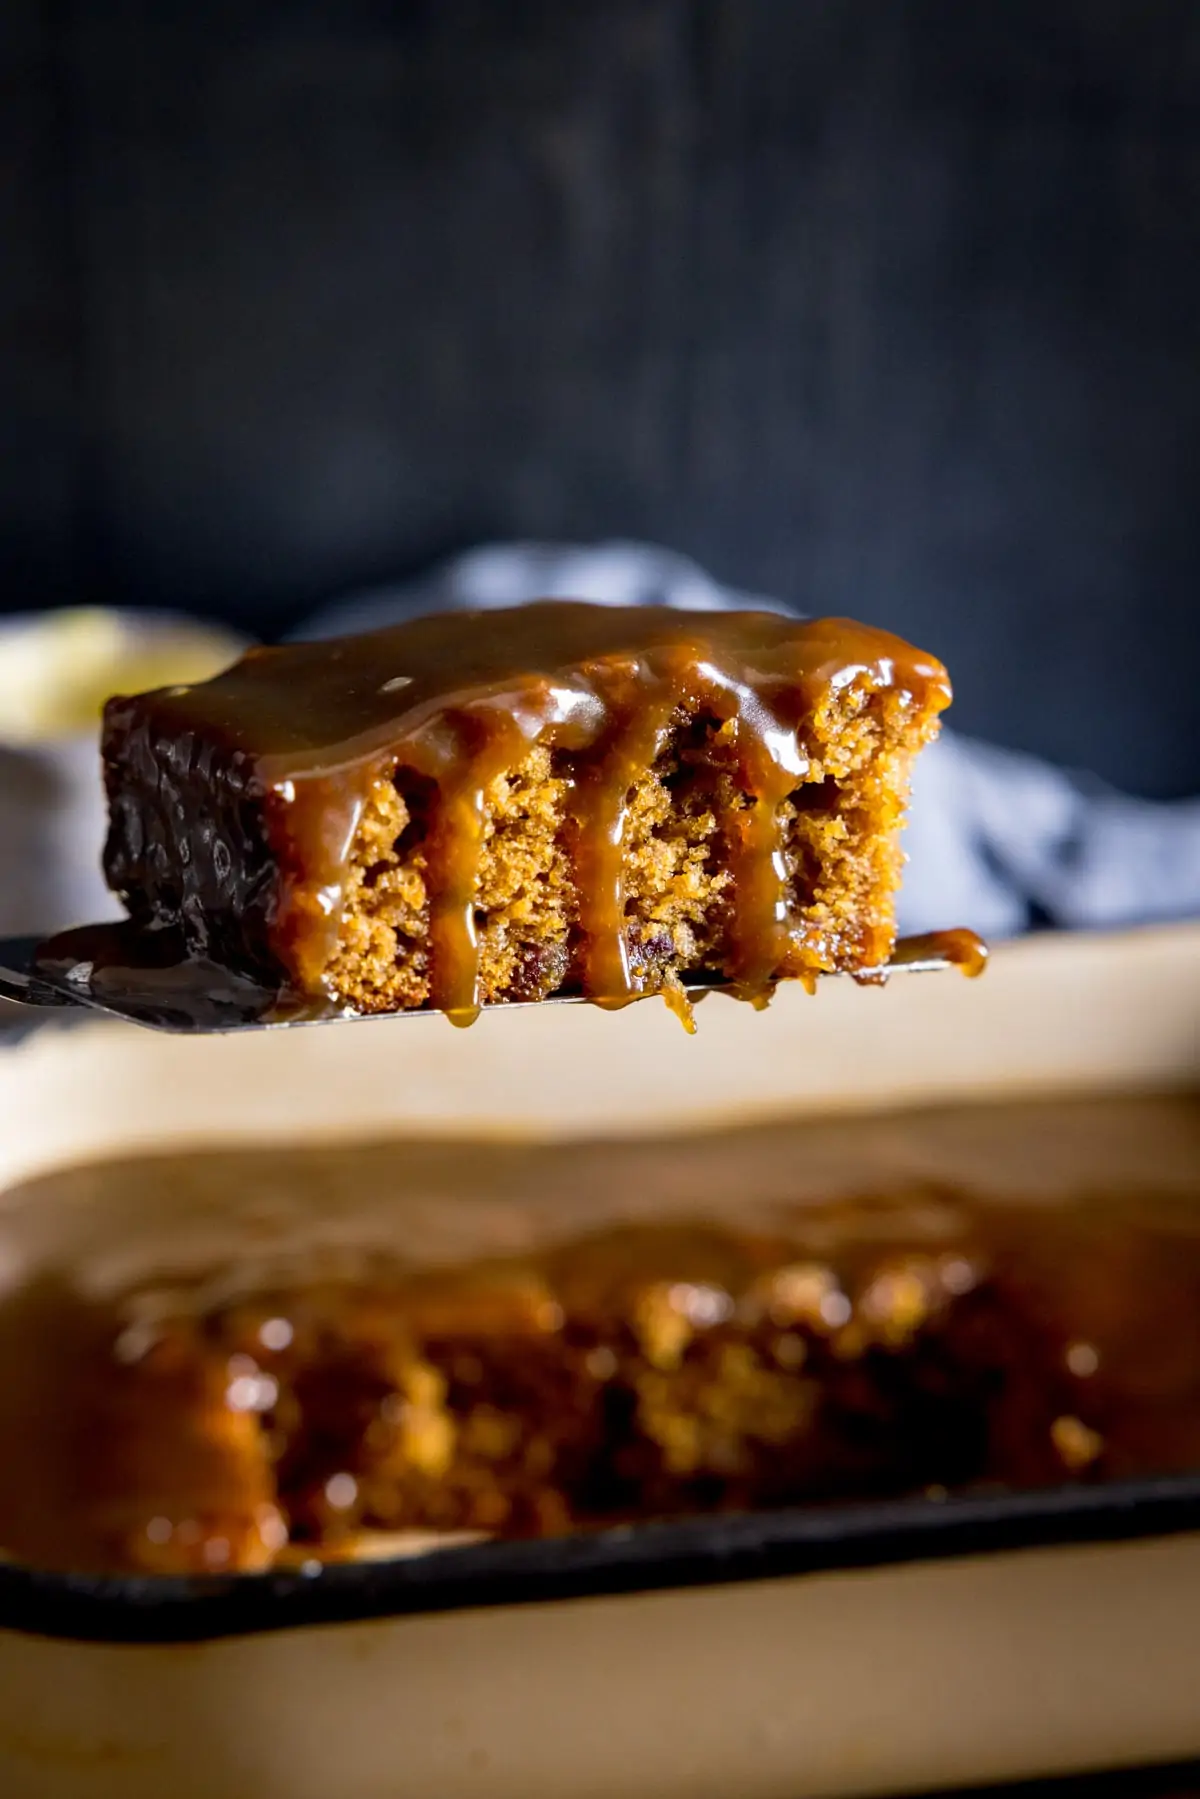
{"points": [[891, 307]]}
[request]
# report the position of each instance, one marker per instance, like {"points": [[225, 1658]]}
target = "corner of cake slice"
{"points": [[561, 797]]}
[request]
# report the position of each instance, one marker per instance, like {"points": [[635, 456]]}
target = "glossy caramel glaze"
{"points": [[961, 948], [236, 1357], [263, 774]]}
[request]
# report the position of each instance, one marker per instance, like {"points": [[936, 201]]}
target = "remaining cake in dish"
{"points": [[506, 805], [270, 1354]]}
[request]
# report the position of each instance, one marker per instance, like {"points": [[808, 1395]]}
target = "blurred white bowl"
{"points": [[56, 671]]}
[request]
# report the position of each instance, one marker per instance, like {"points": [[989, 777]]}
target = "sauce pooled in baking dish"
{"points": [[240, 1358]]}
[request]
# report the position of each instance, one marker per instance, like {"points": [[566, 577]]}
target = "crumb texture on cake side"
{"points": [[838, 842]]}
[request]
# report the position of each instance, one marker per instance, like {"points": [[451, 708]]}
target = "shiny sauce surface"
{"points": [[986, 1295]]}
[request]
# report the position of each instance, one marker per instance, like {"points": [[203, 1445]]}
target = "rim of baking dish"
{"points": [[641, 1558]]}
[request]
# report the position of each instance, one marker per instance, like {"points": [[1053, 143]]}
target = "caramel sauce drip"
{"points": [[961, 948], [454, 853], [760, 923], [599, 840], [956, 948], [459, 699]]}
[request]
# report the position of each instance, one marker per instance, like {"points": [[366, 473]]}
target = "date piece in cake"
{"points": [[511, 804]]}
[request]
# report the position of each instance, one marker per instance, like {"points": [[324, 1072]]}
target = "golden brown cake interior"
{"points": [[838, 837]]}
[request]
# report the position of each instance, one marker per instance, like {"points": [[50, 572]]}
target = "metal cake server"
{"points": [[184, 995]]}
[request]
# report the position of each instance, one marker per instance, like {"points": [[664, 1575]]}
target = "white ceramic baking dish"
{"points": [[851, 1650]]}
